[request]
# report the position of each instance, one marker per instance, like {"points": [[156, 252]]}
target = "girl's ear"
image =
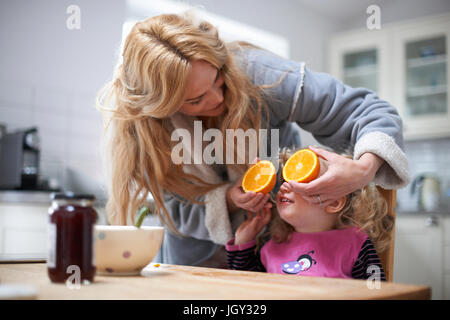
{"points": [[336, 206]]}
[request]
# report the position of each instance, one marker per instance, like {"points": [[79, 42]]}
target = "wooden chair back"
{"points": [[387, 256]]}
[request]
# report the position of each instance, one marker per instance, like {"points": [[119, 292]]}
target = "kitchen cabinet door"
{"points": [[360, 60], [418, 253], [447, 256], [23, 231], [421, 65], [406, 63]]}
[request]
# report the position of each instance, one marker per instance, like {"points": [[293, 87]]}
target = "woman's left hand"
{"points": [[342, 177]]}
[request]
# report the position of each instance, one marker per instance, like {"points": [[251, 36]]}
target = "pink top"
{"points": [[330, 253]]}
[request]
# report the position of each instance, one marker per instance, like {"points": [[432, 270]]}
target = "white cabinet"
{"points": [[23, 231], [407, 64], [418, 253], [447, 257], [360, 60]]}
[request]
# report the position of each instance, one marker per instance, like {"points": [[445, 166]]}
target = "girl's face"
{"points": [[306, 217], [204, 94], [297, 211]]}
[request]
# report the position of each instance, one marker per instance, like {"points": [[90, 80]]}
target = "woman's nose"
{"points": [[217, 90], [218, 93]]}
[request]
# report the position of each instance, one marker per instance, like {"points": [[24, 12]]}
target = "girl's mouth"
{"points": [[285, 201]]}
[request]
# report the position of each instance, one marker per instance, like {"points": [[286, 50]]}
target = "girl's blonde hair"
{"points": [[147, 88], [365, 208]]}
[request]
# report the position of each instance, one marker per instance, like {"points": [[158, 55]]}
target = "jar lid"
{"points": [[71, 196]]}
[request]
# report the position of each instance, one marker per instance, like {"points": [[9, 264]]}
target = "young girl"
{"points": [[339, 240]]}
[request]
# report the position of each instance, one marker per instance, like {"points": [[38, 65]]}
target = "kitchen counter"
{"points": [[25, 196], [173, 282], [442, 211], [34, 197]]}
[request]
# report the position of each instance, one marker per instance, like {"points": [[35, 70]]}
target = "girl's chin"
{"points": [[286, 210]]}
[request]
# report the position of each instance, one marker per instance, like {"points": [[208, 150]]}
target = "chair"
{"points": [[387, 256]]}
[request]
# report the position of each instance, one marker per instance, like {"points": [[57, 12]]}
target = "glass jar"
{"points": [[71, 238]]}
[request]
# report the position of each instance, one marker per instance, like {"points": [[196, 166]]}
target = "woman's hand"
{"points": [[250, 201], [251, 227], [342, 177]]}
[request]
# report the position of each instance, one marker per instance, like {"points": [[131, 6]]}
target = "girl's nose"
{"points": [[284, 189]]}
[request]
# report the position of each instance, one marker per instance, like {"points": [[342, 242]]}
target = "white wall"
{"points": [[50, 75], [306, 30], [49, 78], [398, 10]]}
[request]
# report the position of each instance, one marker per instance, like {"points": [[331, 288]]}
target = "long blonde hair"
{"points": [[147, 88], [365, 208]]}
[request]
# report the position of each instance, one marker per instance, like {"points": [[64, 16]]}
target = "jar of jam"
{"points": [[71, 237]]}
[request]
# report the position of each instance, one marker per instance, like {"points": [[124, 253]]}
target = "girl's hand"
{"points": [[249, 201], [342, 177], [251, 227]]}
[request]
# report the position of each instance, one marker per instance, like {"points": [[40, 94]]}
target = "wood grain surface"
{"points": [[173, 282]]}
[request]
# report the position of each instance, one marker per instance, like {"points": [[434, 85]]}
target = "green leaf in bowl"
{"points": [[142, 214]]}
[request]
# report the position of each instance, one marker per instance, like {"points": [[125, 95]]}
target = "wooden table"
{"points": [[173, 282]]}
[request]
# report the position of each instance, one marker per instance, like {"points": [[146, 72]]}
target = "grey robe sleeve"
{"points": [[338, 116]]}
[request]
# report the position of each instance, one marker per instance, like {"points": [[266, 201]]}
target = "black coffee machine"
{"points": [[19, 159]]}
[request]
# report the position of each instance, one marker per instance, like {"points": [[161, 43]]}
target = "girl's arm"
{"points": [[241, 250], [368, 264], [243, 257]]}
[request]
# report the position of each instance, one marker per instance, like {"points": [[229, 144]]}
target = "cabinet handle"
{"points": [[432, 221]]}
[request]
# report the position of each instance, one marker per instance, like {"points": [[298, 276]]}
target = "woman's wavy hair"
{"points": [[147, 88], [365, 208]]}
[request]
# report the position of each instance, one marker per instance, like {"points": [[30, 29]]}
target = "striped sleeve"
{"points": [[243, 257], [368, 263]]}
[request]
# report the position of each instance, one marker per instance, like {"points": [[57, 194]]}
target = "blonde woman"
{"points": [[176, 70], [338, 240]]}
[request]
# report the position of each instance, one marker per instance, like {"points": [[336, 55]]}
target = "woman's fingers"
{"points": [[245, 197], [317, 186], [302, 189], [260, 205], [318, 200], [253, 202], [257, 203], [327, 155]]}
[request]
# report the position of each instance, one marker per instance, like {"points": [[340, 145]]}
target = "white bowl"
{"points": [[125, 250]]}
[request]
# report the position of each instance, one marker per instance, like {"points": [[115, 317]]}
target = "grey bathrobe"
{"points": [[338, 116]]}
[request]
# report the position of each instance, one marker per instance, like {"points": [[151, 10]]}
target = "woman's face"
{"points": [[204, 94]]}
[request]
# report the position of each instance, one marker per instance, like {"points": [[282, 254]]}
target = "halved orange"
{"points": [[261, 177], [302, 166]]}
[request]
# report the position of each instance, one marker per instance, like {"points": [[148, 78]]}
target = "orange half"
{"points": [[302, 166], [261, 177]]}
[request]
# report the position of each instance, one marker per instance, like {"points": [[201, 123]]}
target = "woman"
{"points": [[177, 70]]}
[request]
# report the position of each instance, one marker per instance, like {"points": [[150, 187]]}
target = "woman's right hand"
{"points": [[251, 227], [250, 201]]}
